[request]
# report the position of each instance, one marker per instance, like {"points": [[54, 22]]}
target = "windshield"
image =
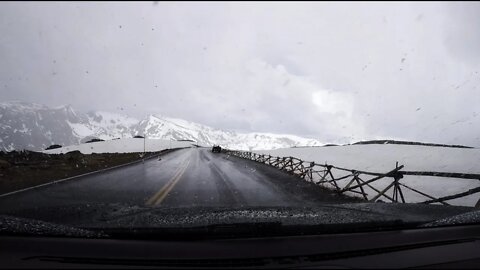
{"points": [[161, 117]]}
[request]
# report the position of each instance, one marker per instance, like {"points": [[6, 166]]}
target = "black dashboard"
{"points": [[443, 247]]}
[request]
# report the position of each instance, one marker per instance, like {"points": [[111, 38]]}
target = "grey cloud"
{"points": [[462, 37]]}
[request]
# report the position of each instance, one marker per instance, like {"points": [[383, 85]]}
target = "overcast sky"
{"points": [[331, 71]]}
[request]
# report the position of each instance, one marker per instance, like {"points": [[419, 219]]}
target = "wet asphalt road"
{"points": [[183, 178]]}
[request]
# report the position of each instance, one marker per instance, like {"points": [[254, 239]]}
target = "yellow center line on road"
{"points": [[163, 192]]}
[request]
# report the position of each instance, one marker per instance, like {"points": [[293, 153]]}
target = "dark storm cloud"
{"points": [[333, 71]]}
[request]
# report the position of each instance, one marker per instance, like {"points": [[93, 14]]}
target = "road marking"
{"points": [[163, 192]]}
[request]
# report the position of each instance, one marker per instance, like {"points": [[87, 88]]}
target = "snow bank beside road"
{"points": [[382, 158], [128, 145]]}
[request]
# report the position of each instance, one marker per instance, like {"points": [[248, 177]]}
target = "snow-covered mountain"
{"points": [[104, 125], [35, 127], [160, 127]]}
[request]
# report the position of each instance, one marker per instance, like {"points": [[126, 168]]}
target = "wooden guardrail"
{"points": [[343, 180]]}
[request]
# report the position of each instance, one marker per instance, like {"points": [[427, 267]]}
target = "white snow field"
{"points": [[381, 158], [128, 145]]}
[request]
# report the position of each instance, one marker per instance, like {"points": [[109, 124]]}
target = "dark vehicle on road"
{"points": [[216, 149]]}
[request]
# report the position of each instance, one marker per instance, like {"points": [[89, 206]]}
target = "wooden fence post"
{"points": [[312, 164]]}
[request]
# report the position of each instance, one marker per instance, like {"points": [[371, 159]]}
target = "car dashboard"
{"points": [[443, 247]]}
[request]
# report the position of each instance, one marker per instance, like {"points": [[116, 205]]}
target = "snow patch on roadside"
{"points": [[382, 158], [129, 145]]}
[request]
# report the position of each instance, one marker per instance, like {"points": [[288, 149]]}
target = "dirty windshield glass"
{"points": [[153, 117]]}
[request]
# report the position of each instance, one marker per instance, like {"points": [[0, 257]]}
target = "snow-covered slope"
{"points": [[128, 145], [35, 127], [104, 125], [161, 127], [382, 158], [250, 141], [171, 128]]}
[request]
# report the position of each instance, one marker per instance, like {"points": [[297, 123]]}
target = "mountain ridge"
{"points": [[33, 126]]}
